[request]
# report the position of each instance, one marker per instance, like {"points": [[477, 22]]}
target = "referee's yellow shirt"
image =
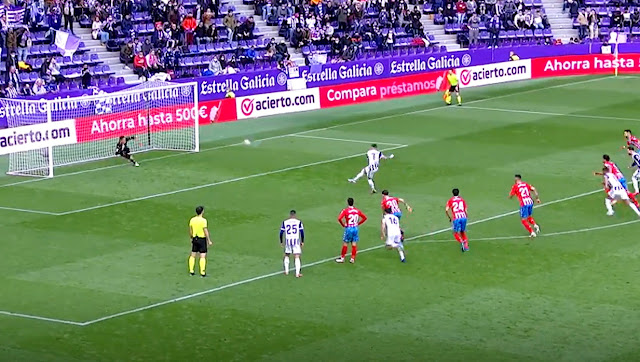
{"points": [[198, 224], [453, 79]]}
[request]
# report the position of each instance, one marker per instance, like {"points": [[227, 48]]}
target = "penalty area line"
{"points": [[542, 113], [39, 318], [319, 262]]}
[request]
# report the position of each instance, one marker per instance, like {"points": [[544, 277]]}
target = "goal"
{"points": [[48, 134]]}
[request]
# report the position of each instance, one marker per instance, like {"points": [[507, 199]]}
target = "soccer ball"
{"points": [[247, 142]]}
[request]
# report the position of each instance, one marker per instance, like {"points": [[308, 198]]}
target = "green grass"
{"points": [[571, 295]]}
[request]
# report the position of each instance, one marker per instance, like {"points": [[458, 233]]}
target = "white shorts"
{"points": [[394, 241], [370, 171], [619, 195], [296, 249]]}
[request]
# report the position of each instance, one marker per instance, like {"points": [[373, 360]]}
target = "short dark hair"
{"points": [[350, 201], [387, 210], [199, 210], [455, 192], [606, 157], [121, 138], [519, 176], [385, 192], [374, 145], [292, 212], [628, 130]]}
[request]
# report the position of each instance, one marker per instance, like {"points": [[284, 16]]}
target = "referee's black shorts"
{"points": [[453, 88], [198, 245]]}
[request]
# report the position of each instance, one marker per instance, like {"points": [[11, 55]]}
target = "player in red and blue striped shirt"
{"points": [[458, 215], [523, 191], [632, 141]]}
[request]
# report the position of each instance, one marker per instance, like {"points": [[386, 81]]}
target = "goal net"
{"points": [[46, 134]]}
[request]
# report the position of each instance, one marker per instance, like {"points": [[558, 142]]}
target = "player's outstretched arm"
{"points": [[405, 204]]}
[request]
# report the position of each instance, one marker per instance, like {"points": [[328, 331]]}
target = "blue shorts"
{"points": [[398, 214], [460, 225], [526, 211], [351, 235], [624, 183]]}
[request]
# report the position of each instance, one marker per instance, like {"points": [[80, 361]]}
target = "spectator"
{"points": [[538, 21], [86, 77], [231, 23], [449, 14], [390, 39], [153, 62], [616, 18], [626, 18], [140, 66], [11, 91], [594, 22], [249, 55], [519, 21], [108, 30], [126, 8], [12, 60], [96, 28], [494, 30], [635, 17], [461, 11], [126, 54], [474, 29], [26, 90], [472, 7], [12, 76], [68, 12], [573, 8], [528, 20], [147, 46], [282, 51], [583, 24], [137, 46], [126, 26], [189, 25], [245, 30], [214, 66], [39, 87], [491, 6]]}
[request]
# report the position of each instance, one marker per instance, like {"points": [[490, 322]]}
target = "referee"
{"points": [[123, 150], [199, 235]]}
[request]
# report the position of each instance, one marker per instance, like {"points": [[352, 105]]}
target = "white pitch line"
{"points": [[265, 276], [267, 173], [45, 319], [346, 140], [554, 114], [307, 131], [28, 211]]}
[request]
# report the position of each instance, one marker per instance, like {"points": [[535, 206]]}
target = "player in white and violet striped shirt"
{"points": [[292, 240]]}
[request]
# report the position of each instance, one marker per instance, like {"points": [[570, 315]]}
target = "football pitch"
{"points": [[93, 262]]}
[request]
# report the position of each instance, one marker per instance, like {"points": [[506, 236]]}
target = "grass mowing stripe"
{"points": [[554, 114], [193, 188], [346, 140], [39, 318], [542, 235], [309, 131], [319, 262]]}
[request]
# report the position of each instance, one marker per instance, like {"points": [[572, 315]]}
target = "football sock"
{"points": [[464, 236], [344, 251], [448, 99], [457, 236], [192, 264], [526, 225], [459, 99], [635, 183], [359, 175], [635, 209], [446, 95], [298, 266], [401, 253], [607, 204], [531, 220], [354, 251], [286, 264], [370, 181], [203, 266]]}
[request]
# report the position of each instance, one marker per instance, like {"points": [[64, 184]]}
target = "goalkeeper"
{"points": [[123, 150]]}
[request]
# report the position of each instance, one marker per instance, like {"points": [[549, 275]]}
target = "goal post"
{"points": [[46, 134]]}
